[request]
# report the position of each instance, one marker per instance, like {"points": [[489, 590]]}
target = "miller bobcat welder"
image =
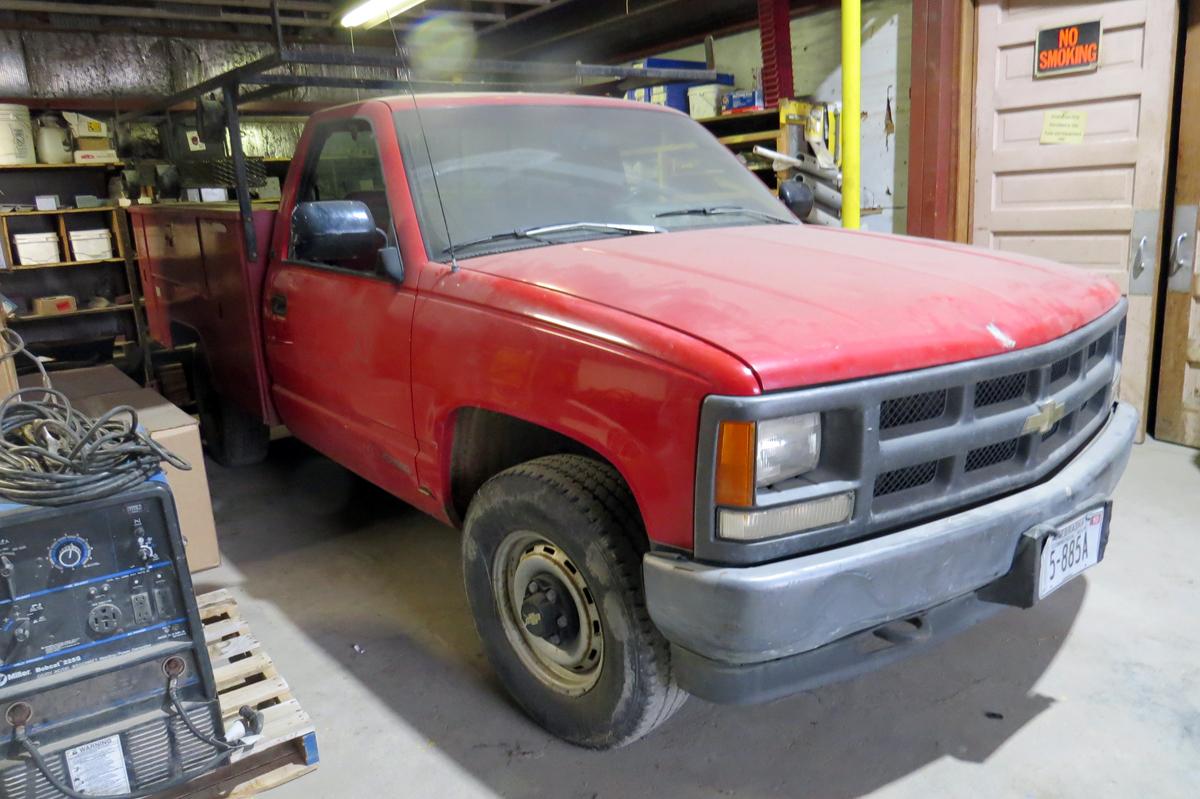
{"points": [[105, 684]]}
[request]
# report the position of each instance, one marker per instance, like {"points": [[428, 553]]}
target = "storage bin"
{"points": [[16, 135], [91, 245], [673, 95], [37, 248], [704, 101]]}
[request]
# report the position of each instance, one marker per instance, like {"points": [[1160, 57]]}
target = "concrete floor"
{"points": [[1094, 693]]}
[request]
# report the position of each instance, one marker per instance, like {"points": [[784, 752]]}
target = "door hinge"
{"points": [[1182, 257], [1143, 252]]}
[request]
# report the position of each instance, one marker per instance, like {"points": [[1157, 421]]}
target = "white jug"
{"points": [[53, 140]]}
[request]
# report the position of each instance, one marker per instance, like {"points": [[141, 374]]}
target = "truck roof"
{"points": [[460, 99]]}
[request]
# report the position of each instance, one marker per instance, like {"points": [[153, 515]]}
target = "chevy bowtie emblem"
{"points": [[1049, 413]]}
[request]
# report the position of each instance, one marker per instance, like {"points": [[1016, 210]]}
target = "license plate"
{"points": [[1072, 548]]}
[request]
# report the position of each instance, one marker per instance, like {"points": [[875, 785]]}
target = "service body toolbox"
{"points": [[96, 610]]}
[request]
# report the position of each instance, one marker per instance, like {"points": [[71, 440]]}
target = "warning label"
{"points": [[98, 767], [1067, 49]]}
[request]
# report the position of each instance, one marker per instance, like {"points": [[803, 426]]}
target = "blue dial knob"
{"points": [[70, 552]]}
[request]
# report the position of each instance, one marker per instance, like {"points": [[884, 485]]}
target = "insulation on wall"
{"points": [[36, 64], [886, 77]]}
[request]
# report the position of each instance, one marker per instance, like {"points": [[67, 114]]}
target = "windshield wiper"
{"points": [[718, 210], [615, 227], [537, 233], [509, 234]]}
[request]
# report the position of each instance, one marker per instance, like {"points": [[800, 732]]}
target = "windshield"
{"points": [[506, 170]]}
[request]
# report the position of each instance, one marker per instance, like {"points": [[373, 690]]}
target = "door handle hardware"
{"points": [[1139, 258], [278, 305], [1176, 257]]}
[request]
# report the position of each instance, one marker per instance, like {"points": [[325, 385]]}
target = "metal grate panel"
{"points": [[1000, 389], [1059, 369], [192, 751], [149, 751], [26, 782], [992, 454], [912, 409], [904, 479]]}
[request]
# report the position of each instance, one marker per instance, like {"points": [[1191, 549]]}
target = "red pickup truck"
{"points": [[694, 445]]}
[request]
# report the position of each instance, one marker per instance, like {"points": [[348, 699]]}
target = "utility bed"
{"points": [[201, 289]]}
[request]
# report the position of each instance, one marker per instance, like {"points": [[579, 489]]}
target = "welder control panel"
{"points": [[78, 587]]}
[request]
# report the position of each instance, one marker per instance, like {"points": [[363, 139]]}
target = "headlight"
{"points": [[787, 448]]}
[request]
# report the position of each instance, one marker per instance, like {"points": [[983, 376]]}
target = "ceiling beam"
{"points": [[314, 6], [133, 12]]}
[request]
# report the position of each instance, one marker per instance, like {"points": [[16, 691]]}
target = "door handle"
{"points": [[1176, 257], [1139, 258], [278, 305]]}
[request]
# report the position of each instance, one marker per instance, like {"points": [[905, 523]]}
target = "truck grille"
{"points": [[944, 447], [915, 446]]}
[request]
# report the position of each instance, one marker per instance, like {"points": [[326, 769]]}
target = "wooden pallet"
{"points": [[246, 675]]}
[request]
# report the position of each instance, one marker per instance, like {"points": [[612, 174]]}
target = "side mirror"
{"points": [[798, 197], [331, 231]]}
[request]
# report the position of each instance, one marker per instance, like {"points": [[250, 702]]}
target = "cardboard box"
{"points": [[80, 384], [92, 143], [83, 125], [206, 195], [180, 433], [56, 304], [96, 156], [97, 389]]}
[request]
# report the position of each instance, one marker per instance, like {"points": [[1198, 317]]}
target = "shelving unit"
{"points": [[740, 132], [113, 278], [77, 312], [112, 165], [59, 264], [783, 129]]}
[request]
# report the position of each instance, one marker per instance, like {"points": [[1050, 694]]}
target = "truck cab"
{"points": [[694, 445]]}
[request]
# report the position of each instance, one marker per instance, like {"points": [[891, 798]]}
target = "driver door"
{"points": [[338, 333]]}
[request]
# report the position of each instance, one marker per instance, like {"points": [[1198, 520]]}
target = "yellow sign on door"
{"points": [[1063, 127]]}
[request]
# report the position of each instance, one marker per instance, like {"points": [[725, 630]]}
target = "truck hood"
{"points": [[804, 305]]}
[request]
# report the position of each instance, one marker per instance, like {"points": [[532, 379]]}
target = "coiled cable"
{"points": [[53, 455]]}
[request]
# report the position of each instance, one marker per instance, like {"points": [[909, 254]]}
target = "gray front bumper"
{"points": [[740, 616]]}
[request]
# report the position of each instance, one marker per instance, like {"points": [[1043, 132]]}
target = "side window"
{"points": [[346, 167]]}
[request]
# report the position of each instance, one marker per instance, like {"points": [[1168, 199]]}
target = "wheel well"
{"points": [[486, 443]]}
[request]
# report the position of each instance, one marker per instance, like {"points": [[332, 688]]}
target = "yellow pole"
{"points": [[851, 112]]}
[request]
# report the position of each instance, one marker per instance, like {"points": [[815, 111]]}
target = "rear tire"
{"points": [[232, 436], [559, 539]]}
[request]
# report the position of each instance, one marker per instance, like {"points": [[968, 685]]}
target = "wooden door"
{"points": [[1178, 399], [1095, 201]]}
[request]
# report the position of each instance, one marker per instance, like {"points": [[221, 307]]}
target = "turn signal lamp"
{"points": [[735, 464]]}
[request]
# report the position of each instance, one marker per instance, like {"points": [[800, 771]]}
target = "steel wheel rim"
{"points": [[573, 666]]}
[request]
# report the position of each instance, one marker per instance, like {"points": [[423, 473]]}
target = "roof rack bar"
{"points": [[230, 78]]}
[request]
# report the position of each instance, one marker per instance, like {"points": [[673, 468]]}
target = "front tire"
{"points": [[552, 563]]}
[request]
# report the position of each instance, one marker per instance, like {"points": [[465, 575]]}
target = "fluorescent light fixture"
{"points": [[373, 12]]}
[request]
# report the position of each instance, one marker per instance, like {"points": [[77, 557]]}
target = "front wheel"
{"points": [[553, 576]]}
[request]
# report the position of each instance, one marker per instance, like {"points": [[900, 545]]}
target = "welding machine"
{"points": [[105, 684]]}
